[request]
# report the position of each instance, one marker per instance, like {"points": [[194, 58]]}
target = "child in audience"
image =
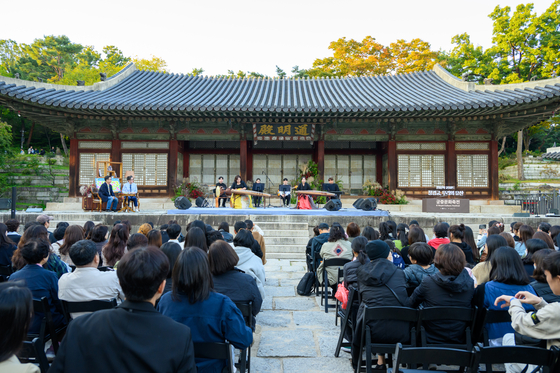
{"points": [[421, 256]]}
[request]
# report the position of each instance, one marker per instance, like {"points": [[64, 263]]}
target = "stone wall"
{"points": [[534, 168]]}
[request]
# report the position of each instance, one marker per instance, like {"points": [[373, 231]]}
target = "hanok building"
{"points": [[414, 132]]}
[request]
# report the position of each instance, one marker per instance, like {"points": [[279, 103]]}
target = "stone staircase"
{"points": [[285, 236]]}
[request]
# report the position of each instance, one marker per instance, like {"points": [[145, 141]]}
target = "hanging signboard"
{"points": [[283, 131]]}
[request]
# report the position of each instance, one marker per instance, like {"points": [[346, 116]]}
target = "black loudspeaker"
{"points": [[201, 202], [333, 205], [183, 203], [370, 204], [358, 204]]}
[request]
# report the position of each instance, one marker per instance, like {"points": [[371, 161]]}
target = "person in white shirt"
{"points": [[131, 188], [173, 231], [87, 283]]}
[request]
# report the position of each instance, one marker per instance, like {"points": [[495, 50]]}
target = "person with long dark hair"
{"points": [[336, 247], [525, 233], [99, 238], [115, 248], [212, 317], [415, 234], [456, 234], [197, 238], [16, 310], [248, 261], [7, 246], [88, 229], [73, 234], [533, 245], [482, 270], [554, 234], [468, 238], [370, 233], [385, 231], [507, 277], [171, 251], [154, 238], [239, 201], [360, 257], [541, 286], [545, 237], [402, 236]]}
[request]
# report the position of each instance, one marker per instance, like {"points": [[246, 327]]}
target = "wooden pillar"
{"points": [[73, 171], [172, 166], [116, 156], [378, 165], [243, 159], [494, 171], [250, 161], [451, 164], [393, 163], [186, 159], [320, 147]]}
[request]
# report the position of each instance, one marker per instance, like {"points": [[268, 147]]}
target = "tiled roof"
{"points": [[553, 155], [430, 92]]}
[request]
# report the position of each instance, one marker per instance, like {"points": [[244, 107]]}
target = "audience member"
{"points": [[468, 238], [525, 233], [146, 340], [173, 231], [456, 236], [397, 258], [99, 238], [554, 230], [12, 233], [402, 236], [58, 234], [308, 257], [135, 241], [258, 237], [115, 248], [223, 228], [415, 222], [369, 233], [196, 238], [484, 236], [211, 317], [359, 257], [255, 247], [88, 229], [45, 221], [7, 247], [231, 281], [16, 310], [172, 251], [421, 256], [73, 234], [506, 277], [41, 282], [540, 285], [541, 235], [145, 229], [249, 262], [164, 235], [381, 284], [385, 231], [415, 234], [452, 286], [532, 246], [127, 224], [544, 227], [336, 247], [154, 238], [87, 283], [482, 270], [509, 239], [516, 227], [352, 231], [440, 233], [318, 242]]}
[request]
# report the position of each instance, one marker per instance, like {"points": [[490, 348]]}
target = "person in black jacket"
{"points": [[317, 244], [450, 287], [255, 247], [541, 286], [106, 194], [456, 233], [133, 337], [7, 247], [12, 233], [230, 281], [381, 284]]}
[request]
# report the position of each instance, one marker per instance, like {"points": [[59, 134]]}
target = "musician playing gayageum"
{"points": [[258, 187], [304, 201], [284, 193], [223, 187], [239, 201]]}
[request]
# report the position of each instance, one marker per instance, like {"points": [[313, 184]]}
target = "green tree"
{"points": [[5, 140], [10, 52], [154, 64], [197, 72], [281, 73]]}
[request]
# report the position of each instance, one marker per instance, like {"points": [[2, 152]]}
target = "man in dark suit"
{"points": [[106, 194], [133, 337]]}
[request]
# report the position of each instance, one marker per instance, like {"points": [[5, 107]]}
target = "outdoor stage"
{"points": [[276, 211]]}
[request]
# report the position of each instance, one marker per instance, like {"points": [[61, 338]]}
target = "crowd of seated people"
{"points": [[184, 292]]}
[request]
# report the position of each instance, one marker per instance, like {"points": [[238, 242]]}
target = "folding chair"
{"points": [[335, 262], [493, 316], [346, 321], [33, 352], [519, 354], [215, 350], [405, 314], [245, 357], [466, 315], [47, 330], [443, 356], [338, 313], [89, 306]]}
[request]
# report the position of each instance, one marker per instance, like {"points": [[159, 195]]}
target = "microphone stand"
{"points": [[269, 186]]}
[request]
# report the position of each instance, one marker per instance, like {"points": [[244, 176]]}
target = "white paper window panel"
{"points": [[161, 170], [472, 146], [370, 167], [342, 168], [195, 167], [221, 166], [94, 145], [234, 167], [472, 171], [289, 167], [356, 172], [144, 145], [87, 172], [275, 168], [208, 169]]}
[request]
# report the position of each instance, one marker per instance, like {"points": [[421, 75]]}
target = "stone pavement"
{"points": [[294, 334]]}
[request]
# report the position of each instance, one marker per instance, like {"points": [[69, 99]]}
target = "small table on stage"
{"points": [[244, 192], [126, 196], [315, 193]]}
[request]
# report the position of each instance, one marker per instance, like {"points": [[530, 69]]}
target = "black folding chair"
{"points": [[338, 313], [5, 272], [468, 360], [346, 321], [47, 331], [405, 314], [541, 357], [89, 306], [466, 315], [215, 350], [245, 356], [33, 352], [491, 317], [335, 262]]}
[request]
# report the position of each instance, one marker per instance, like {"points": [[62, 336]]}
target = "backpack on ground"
{"points": [[305, 286]]}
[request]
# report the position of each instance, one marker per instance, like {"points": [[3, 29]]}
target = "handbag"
{"points": [[342, 295]]}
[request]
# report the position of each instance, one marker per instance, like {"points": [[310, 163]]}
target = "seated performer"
{"points": [[131, 188], [305, 202], [106, 194], [237, 200], [223, 187], [257, 187], [331, 187], [284, 193]]}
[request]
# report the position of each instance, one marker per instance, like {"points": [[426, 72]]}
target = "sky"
{"points": [[250, 35]]}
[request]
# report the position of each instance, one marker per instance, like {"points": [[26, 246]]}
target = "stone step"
{"points": [[65, 206], [278, 218], [285, 249], [286, 241], [286, 233], [285, 256], [288, 225]]}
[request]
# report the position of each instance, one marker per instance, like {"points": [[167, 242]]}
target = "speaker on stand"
{"points": [[183, 203], [333, 205], [358, 203], [201, 202], [370, 204]]}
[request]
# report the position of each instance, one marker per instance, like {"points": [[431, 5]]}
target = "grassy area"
{"points": [[540, 181]]}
